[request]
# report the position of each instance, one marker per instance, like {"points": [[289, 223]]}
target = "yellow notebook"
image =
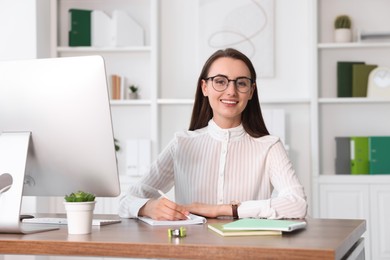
{"points": [[218, 228]]}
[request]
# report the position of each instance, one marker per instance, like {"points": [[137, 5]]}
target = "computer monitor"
{"points": [[56, 134]]}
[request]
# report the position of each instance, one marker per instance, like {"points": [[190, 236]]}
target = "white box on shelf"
{"points": [[101, 29], [118, 30], [127, 32]]}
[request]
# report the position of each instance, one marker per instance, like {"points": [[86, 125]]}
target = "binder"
{"points": [[359, 155], [80, 27], [360, 73], [344, 77], [379, 155], [343, 155]]}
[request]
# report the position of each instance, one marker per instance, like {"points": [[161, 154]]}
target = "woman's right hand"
{"points": [[163, 209]]}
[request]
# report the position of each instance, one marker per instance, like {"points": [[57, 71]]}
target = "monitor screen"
{"points": [[64, 104]]}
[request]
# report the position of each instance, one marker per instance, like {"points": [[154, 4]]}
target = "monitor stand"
{"points": [[13, 160]]}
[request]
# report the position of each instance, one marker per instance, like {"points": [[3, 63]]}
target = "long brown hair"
{"points": [[251, 118]]}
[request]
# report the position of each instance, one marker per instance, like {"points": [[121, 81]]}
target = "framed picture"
{"points": [[246, 25]]}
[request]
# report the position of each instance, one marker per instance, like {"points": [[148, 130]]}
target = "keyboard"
{"points": [[63, 221]]}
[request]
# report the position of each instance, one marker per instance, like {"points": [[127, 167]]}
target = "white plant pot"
{"points": [[343, 35], [132, 95], [79, 216]]}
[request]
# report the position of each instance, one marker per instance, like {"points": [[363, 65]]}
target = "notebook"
{"points": [[265, 224], [218, 228], [193, 220]]}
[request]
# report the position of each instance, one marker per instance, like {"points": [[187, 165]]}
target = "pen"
{"points": [[165, 196]]}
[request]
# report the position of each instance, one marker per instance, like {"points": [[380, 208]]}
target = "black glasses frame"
{"points": [[228, 81]]}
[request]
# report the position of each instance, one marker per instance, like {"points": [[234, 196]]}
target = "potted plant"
{"points": [[133, 92], [342, 25], [79, 208]]}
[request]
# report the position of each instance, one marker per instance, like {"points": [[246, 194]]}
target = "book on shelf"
{"points": [[343, 155], [265, 224], [379, 154], [116, 87], [344, 77], [360, 74], [359, 155], [80, 27], [218, 228]]}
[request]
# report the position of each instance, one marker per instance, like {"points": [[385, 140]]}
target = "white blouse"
{"points": [[217, 166]]}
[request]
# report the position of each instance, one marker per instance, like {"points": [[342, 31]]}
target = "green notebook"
{"points": [[265, 224], [218, 228]]}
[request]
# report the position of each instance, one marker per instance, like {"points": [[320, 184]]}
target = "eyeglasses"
{"points": [[221, 83]]}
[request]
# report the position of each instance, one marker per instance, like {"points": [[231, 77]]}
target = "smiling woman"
{"points": [[226, 164]]}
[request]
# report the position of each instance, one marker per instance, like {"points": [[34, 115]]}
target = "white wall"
{"points": [[23, 36], [179, 50]]}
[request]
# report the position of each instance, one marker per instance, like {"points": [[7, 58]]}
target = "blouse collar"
{"points": [[229, 134]]}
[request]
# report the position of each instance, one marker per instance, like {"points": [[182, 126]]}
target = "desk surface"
{"points": [[322, 239]]}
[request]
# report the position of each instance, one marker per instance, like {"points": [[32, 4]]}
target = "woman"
{"points": [[227, 164]]}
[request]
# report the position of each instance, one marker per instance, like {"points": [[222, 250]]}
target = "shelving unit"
{"points": [[128, 115], [131, 118], [349, 196]]}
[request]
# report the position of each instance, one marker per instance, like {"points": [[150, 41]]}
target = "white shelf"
{"points": [[65, 49], [175, 101], [286, 101], [165, 101], [352, 101], [352, 45], [355, 179], [129, 102]]}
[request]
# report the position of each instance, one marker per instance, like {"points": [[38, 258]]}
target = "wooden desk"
{"points": [[322, 239]]}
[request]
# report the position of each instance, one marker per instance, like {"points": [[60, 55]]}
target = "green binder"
{"points": [[379, 156], [344, 77], [80, 27], [359, 155], [360, 73]]}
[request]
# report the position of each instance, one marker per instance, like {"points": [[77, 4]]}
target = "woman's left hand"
{"points": [[209, 210]]}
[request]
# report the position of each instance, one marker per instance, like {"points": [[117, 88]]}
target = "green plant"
{"points": [[342, 21], [79, 196], [133, 89]]}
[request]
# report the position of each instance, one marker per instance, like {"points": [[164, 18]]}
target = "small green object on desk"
{"points": [[177, 232]]}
